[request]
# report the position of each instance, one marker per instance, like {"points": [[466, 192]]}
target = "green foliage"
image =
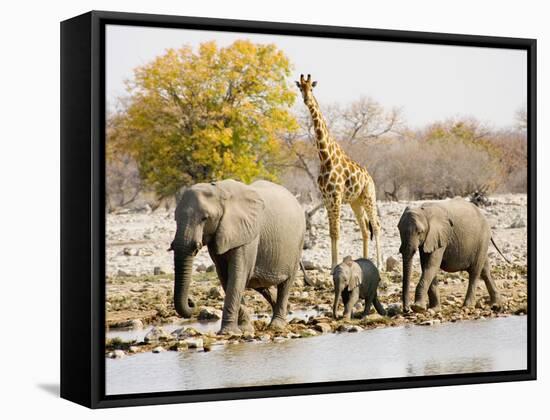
{"points": [[210, 114]]}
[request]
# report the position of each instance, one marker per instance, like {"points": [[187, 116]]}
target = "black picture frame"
{"points": [[83, 207]]}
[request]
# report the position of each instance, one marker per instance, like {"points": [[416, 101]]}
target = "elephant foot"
{"points": [[230, 330], [418, 307], [407, 309], [277, 324], [469, 304], [496, 304], [436, 308], [246, 328]]}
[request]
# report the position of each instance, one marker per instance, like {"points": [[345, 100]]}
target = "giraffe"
{"points": [[341, 180]]}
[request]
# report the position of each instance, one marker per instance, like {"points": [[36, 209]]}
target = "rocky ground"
{"points": [[139, 280]]}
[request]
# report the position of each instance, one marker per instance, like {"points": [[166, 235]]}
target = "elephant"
{"points": [[254, 234], [451, 235], [354, 280]]}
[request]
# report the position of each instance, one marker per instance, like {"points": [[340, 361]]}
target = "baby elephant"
{"points": [[354, 280]]}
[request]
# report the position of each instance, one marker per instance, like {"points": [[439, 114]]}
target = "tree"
{"points": [[214, 113]]}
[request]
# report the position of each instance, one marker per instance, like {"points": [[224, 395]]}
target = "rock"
{"points": [[116, 354], [392, 264], [133, 349], [158, 349], [518, 223], [129, 252], [279, 339], [265, 338], [211, 268], [185, 332], [157, 271], [216, 292], [123, 273], [144, 252], [310, 265], [136, 324], [208, 313], [323, 307], [323, 327], [393, 309], [156, 334], [194, 343], [428, 322], [355, 328], [308, 333], [343, 328], [201, 268]]}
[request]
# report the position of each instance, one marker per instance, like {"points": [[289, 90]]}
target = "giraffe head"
{"points": [[306, 87]]}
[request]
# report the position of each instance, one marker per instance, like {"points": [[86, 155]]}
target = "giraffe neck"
{"points": [[322, 136]]}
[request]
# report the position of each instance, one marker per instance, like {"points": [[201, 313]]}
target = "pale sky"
{"points": [[429, 82]]}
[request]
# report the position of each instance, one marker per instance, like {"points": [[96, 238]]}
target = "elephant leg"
{"points": [[350, 303], [333, 205], [430, 266], [245, 323], [494, 294], [362, 221], [378, 306], [433, 296], [235, 284], [268, 295], [278, 322]]}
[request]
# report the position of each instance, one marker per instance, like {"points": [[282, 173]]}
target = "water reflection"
{"points": [[472, 346]]}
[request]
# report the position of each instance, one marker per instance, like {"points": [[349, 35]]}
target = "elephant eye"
{"points": [[204, 218]]}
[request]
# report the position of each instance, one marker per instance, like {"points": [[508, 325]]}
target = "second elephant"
{"points": [[354, 280]]}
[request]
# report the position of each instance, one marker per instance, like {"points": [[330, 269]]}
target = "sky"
{"points": [[428, 82]]}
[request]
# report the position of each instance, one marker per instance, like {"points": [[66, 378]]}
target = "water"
{"points": [[462, 347]]}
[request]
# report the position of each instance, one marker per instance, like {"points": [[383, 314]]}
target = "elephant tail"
{"points": [[306, 278], [500, 252]]}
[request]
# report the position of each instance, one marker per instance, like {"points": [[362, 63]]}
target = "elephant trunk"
{"points": [[183, 267], [407, 272]]}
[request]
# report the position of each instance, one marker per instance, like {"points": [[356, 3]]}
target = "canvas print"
{"points": [[291, 210]]}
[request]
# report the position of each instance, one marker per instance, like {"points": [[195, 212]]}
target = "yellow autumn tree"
{"points": [[213, 113]]}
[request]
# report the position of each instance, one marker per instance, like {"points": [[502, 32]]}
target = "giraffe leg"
{"points": [[333, 210], [363, 222]]}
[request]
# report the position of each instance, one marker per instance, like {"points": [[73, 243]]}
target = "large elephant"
{"points": [[354, 280], [254, 234], [452, 235]]}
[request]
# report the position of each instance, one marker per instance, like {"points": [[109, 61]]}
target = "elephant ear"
{"points": [[239, 224], [439, 229], [355, 277]]}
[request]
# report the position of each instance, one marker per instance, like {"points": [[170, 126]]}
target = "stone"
{"points": [[194, 343], [185, 332], [157, 271], [156, 334], [310, 265], [355, 328], [216, 292], [123, 273], [201, 268], [323, 307], [136, 324], [393, 309], [323, 327], [144, 252], [211, 268], [133, 349], [158, 349], [208, 313], [116, 354], [518, 223], [427, 323], [392, 264], [308, 333]]}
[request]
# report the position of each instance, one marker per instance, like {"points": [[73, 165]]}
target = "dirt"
{"points": [[136, 297]]}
